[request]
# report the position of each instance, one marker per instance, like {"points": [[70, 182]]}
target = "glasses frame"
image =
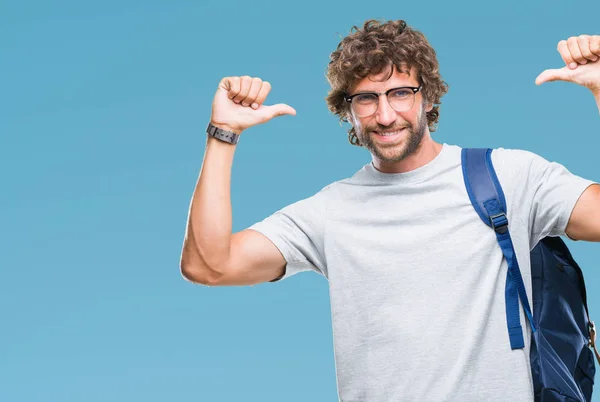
{"points": [[348, 98]]}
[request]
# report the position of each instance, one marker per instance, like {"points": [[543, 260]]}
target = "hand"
{"points": [[238, 104], [580, 54]]}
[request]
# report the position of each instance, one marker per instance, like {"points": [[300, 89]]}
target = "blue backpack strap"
{"points": [[487, 198]]}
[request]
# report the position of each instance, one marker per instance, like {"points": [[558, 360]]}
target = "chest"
{"points": [[408, 238]]}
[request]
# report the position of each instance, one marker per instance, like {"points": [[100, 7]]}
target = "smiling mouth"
{"points": [[384, 133], [389, 135]]}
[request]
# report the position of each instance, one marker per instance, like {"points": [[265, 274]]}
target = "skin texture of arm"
{"points": [[211, 254], [581, 55], [584, 223]]}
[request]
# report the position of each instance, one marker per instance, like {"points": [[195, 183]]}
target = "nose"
{"points": [[385, 114]]}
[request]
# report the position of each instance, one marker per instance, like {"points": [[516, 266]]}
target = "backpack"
{"points": [[562, 363]]}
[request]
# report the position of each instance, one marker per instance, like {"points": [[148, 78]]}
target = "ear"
{"points": [[429, 107]]}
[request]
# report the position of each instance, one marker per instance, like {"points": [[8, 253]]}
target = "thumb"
{"points": [[561, 74], [278, 110]]}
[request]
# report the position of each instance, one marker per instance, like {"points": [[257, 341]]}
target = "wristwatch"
{"points": [[223, 135]]}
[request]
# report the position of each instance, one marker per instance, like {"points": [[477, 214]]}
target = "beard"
{"points": [[407, 145]]}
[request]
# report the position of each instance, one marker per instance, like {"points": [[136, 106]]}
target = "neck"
{"points": [[427, 151]]}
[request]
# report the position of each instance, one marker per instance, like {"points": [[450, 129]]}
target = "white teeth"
{"points": [[389, 134]]}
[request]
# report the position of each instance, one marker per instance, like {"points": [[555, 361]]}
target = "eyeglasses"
{"points": [[400, 99]]}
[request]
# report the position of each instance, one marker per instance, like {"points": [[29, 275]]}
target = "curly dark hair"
{"points": [[379, 46]]}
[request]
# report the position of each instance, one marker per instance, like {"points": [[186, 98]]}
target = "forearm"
{"points": [[206, 255], [597, 97], [208, 236]]}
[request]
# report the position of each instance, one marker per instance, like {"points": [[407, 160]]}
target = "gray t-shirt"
{"points": [[416, 279]]}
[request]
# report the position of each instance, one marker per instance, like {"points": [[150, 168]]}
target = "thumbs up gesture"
{"points": [[239, 104], [581, 55]]}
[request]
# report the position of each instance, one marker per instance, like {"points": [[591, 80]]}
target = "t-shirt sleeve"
{"points": [[544, 192], [297, 230]]}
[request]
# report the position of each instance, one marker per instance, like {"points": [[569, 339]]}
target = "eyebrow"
{"points": [[356, 91]]}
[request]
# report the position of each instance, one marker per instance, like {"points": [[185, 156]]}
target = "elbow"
{"points": [[199, 275], [197, 268]]}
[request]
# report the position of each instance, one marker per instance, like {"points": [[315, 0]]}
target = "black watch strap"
{"points": [[223, 135]]}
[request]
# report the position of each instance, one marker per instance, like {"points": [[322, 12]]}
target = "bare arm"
{"points": [[212, 254], [584, 223], [581, 56]]}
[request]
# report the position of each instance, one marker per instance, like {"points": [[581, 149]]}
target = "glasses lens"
{"points": [[364, 104], [401, 99]]}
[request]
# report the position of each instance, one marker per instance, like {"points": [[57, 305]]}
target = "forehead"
{"points": [[378, 82]]}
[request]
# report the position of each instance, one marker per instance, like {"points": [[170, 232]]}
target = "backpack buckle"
{"points": [[499, 222]]}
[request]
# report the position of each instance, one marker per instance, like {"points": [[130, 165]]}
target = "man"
{"points": [[416, 279]]}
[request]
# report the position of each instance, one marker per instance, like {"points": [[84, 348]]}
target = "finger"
{"points": [[563, 50], [279, 109], [265, 88], [573, 45], [245, 83], [561, 74], [595, 45], [231, 85], [254, 88], [584, 46]]}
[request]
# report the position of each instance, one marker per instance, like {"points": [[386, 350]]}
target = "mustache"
{"points": [[380, 128]]}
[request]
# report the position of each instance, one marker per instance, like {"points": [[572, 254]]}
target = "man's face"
{"points": [[409, 127]]}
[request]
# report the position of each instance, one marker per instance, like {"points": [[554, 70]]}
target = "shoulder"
{"points": [[520, 156], [336, 188], [518, 161], [316, 203]]}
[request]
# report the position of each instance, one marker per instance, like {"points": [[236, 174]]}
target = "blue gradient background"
{"points": [[103, 107]]}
